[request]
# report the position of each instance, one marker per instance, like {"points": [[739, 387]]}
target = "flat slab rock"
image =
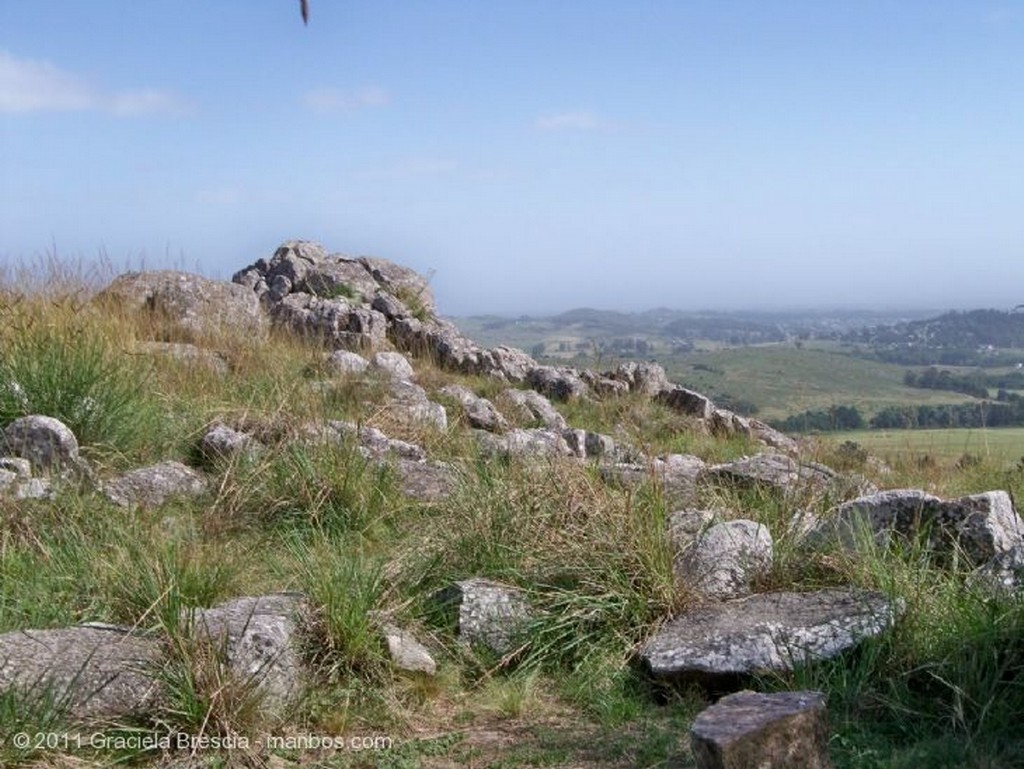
{"points": [[767, 731], [149, 487], [91, 671], [766, 632]]}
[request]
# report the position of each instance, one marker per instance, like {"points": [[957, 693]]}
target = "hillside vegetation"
{"points": [[942, 689]]}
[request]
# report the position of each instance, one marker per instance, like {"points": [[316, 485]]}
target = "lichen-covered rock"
{"points": [[406, 652], [193, 305], [585, 444], [411, 404], [1003, 573], [150, 487], [44, 441], [221, 443], [427, 482], [786, 476], [646, 378], [480, 413], [534, 442], [980, 526], [533, 407], [489, 613], [393, 365], [16, 481], [346, 363], [259, 635], [686, 401], [765, 632], [560, 384], [335, 321], [781, 730], [726, 559], [674, 475], [100, 672]]}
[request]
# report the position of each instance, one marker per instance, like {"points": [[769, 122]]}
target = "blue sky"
{"points": [[533, 155]]}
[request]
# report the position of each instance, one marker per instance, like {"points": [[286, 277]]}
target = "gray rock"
{"points": [[535, 442], [684, 526], [346, 363], [560, 384], [426, 481], [585, 444], [646, 378], [44, 441], [784, 475], [980, 526], [16, 481], [393, 365], [221, 443], [686, 402], [782, 730], [491, 614], [675, 475], [1003, 573], [406, 652], [480, 412], [88, 672], [534, 407], [258, 636], [604, 385], [765, 632], [769, 436], [193, 305], [726, 559], [150, 487], [335, 321], [400, 281]]}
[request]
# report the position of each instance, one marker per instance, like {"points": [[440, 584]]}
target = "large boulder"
{"points": [[560, 384], [763, 633], [674, 475], [980, 526], [489, 613], [480, 413], [530, 406], [338, 322], [786, 476], [192, 306]]}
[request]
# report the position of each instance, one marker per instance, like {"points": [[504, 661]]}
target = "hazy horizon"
{"points": [[532, 157]]}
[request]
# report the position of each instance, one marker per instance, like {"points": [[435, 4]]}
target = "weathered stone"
{"points": [[749, 730], [193, 305], [425, 481], [980, 526], [604, 385], [685, 526], [769, 436], [480, 412], [646, 378], [765, 632], [186, 354], [393, 365], [560, 384], [44, 441], [1004, 573], [406, 652], [534, 407], [508, 364], [534, 442], [489, 613], [335, 321], [686, 402], [784, 475], [89, 672], [221, 443], [346, 363], [400, 281], [150, 487], [726, 559], [376, 444], [584, 444], [16, 481], [675, 475], [258, 636], [389, 306], [412, 405]]}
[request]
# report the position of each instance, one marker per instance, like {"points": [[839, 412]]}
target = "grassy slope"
{"points": [[999, 445], [934, 693]]}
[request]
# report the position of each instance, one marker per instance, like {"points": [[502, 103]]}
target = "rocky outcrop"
{"points": [[479, 412], [189, 305], [765, 632], [674, 475], [783, 730], [532, 408], [346, 363], [786, 476], [980, 526]]}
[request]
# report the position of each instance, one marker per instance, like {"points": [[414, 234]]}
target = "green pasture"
{"points": [[1002, 444]]}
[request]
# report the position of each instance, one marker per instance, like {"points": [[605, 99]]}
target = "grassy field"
{"points": [[1001, 445], [941, 691]]}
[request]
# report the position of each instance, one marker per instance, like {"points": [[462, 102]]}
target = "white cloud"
{"points": [[337, 100], [28, 85], [570, 121]]}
